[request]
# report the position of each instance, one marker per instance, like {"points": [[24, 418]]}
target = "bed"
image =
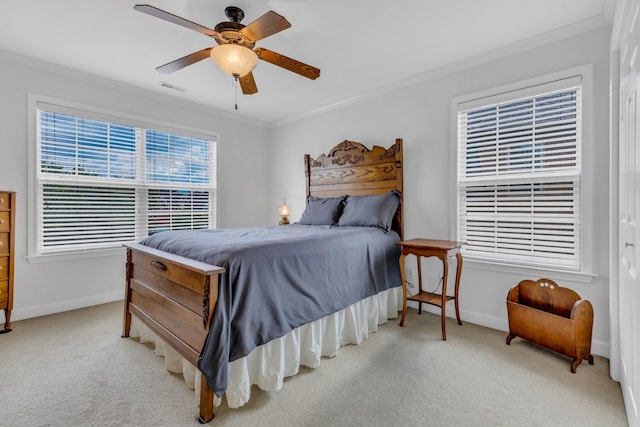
{"points": [[212, 307]]}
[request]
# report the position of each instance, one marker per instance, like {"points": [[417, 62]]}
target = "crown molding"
{"points": [[479, 59], [114, 84]]}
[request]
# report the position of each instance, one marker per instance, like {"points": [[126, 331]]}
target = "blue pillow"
{"points": [[322, 211], [371, 211]]}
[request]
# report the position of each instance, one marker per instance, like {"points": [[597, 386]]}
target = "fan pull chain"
{"points": [[235, 87]]}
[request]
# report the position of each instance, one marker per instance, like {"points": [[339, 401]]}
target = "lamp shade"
{"points": [[234, 59], [283, 210]]}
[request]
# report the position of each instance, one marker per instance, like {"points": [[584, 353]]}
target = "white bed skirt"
{"points": [[268, 365]]}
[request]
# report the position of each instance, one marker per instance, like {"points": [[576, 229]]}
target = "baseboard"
{"points": [[598, 348], [66, 305]]}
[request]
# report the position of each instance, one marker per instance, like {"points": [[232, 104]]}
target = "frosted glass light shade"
{"points": [[283, 210], [234, 59]]}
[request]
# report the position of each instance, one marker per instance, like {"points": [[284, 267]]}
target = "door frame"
{"points": [[614, 211]]}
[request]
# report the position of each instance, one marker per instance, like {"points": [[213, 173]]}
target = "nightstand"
{"points": [[443, 249]]}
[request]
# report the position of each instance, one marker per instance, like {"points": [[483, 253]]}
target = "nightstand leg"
{"points": [[445, 274], [419, 282], [458, 273], [404, 289]]}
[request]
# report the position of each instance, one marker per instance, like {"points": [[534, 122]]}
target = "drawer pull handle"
{"points": [[1, 220], [1, 201], [1, 243], [158, 265]]}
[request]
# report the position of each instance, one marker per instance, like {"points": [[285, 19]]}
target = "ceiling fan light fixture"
{"points": [[234, 59]]}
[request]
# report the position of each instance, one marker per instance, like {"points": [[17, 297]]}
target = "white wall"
{"points": [[48, 287], [420, 114]]}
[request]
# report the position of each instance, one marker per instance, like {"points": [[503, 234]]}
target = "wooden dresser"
{"points": [[7, 250]]}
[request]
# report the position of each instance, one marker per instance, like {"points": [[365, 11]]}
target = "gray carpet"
{"points": [[73, 369]]}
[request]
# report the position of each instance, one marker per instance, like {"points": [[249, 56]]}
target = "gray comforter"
{"points": [[279, 278]]}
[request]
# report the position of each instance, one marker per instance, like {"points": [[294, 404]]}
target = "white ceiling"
{"points": [[361, 46]]}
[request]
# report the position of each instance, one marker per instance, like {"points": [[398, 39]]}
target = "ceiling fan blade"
{"points": [[266, 25], [159, 13], [248, 84], [287, 63], [179, 64]]}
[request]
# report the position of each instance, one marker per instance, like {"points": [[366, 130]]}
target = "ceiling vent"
{"points": [[170, 86]]}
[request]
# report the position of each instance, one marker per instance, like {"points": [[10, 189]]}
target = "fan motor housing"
{"points": [[230, 33]]}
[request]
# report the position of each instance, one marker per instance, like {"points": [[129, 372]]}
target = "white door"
{"points": [[629, 207]]}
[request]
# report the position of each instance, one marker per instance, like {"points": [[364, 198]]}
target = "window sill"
{"points": [[75, 255], [530, 271]]}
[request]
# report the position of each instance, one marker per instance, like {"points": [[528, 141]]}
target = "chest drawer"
{"points": [[5, 223], [4, 268], [5, 201], [4, 243], [4, 292]]}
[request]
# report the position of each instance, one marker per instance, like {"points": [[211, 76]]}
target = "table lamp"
{"points": [[283, 211]]}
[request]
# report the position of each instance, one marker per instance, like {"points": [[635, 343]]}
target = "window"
{"points": [[102, 180], [520, 175]]}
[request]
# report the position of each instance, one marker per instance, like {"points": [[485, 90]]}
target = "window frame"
{"points": [[92, 112], [515, 90]]}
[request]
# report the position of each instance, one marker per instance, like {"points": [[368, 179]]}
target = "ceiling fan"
{"points": [[235, 53]]}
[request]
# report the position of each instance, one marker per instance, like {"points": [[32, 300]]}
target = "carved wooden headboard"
{"points": [[352, 169]]}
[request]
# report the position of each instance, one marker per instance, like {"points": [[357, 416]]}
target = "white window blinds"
{"points": [[519, 174], [101, 183]]}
